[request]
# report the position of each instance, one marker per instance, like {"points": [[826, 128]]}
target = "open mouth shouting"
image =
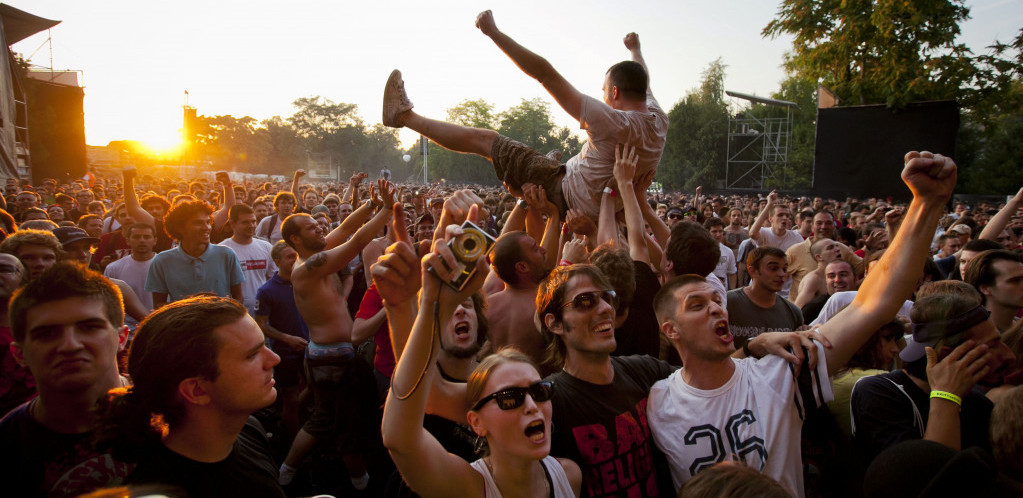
{"points": [[722, 331], [536, 431], [462, 331]]}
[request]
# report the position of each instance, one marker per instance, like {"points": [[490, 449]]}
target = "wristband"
{"points": [[565, 262], [745, 349], [945, 395], [609, 190]]}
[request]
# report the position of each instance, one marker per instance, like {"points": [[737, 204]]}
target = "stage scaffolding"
{"points": [[758, 144]]}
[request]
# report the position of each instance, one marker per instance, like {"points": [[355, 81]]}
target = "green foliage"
{"points": [[697, 141], [798, 172], [889, 52]]}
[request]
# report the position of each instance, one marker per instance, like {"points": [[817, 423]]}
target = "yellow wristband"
{"points": [[947, 396]]}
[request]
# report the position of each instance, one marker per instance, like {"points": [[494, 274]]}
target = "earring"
{"points": [[480, 446]]}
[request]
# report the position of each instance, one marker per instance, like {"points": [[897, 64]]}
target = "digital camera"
{"points": [[468, 248]]}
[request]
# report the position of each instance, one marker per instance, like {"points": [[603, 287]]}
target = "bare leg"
{"points": [[452, 136], [303, 443]]}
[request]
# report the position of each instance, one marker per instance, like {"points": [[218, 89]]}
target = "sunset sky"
{"points": [[254, 57]]}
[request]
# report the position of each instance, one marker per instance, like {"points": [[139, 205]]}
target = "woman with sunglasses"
{"points": [[508, 403]]}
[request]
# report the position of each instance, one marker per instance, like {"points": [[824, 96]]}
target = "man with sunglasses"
{"points": [[600, 402], [717, 408]]}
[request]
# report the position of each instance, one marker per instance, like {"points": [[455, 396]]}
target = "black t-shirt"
{"points": [[33, 459], [883, 415], [604, 429], [248, 471], [640, 333]]}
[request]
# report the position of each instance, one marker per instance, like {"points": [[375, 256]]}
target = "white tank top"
{"points": [[560, 486]]}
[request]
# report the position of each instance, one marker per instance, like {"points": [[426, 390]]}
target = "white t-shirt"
{"points": [[726, 264], [587, 173], [257, 267], [756, 416], [839, 300], [269, 233], [787, 240], [134, 274]]}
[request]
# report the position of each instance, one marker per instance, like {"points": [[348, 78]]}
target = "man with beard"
{"points": [[253, 254], [522, 264], [195, 265], [343, 393]]}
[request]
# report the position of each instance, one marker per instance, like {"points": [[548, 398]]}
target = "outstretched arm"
{"points": [[294, 181], [131, 199], [221, 216], [535, 66], [632, 43], [423, 462], [754, 231], [624, 171], [931, 178], [996, 225], [333, 260]]}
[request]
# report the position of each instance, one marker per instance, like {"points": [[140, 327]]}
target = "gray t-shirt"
{"points": [[746, 320]]}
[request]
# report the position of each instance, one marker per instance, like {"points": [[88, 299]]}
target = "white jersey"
{"points": [[257, 267], [839, 300], [756, 416]]}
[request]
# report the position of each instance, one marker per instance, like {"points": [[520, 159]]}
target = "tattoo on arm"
{"points": [[316, 260]]}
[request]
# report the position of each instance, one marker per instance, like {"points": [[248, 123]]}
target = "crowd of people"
{"points": [[569, 334]]}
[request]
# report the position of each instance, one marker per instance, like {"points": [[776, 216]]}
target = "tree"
{"points": [[697, 140], [879, 51], [473, 113], [232, 143]]}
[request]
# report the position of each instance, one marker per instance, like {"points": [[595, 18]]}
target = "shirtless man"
{"points": [[815, 284], [628, 114], [522, 264], [330, 365]]}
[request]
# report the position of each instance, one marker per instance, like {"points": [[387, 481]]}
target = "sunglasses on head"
{"points": [[514, 397], [588, 300]]}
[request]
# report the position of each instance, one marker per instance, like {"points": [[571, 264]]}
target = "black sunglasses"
{"points": [[588, 300], [674, 216], [514, 397]]}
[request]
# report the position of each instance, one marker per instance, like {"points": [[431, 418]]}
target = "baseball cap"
{"points": [[70, 235], [927, 334]]}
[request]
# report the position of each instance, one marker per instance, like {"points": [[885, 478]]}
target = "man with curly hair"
{"points": [[195, 265]]}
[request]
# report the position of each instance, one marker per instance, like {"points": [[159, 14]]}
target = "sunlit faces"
{"points": [[196, 230], [735, 217], [770, 273], [823, 225], [534, 256], [245, 382], [424, 230], [11, 273], [1007, 289], [56, 213], [79, 250], [839, 276], [141, 241], [700, 323], [125, 219], [718, 232], [284, 207], [260, 210], [964, 259], [584, 330], [524, 431], [310, 234], [781, 218], [285, 261], [245, 225], [36, 258], [93, 227], [310, 199], [343, 211], [459, 338], [70, 344]]}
